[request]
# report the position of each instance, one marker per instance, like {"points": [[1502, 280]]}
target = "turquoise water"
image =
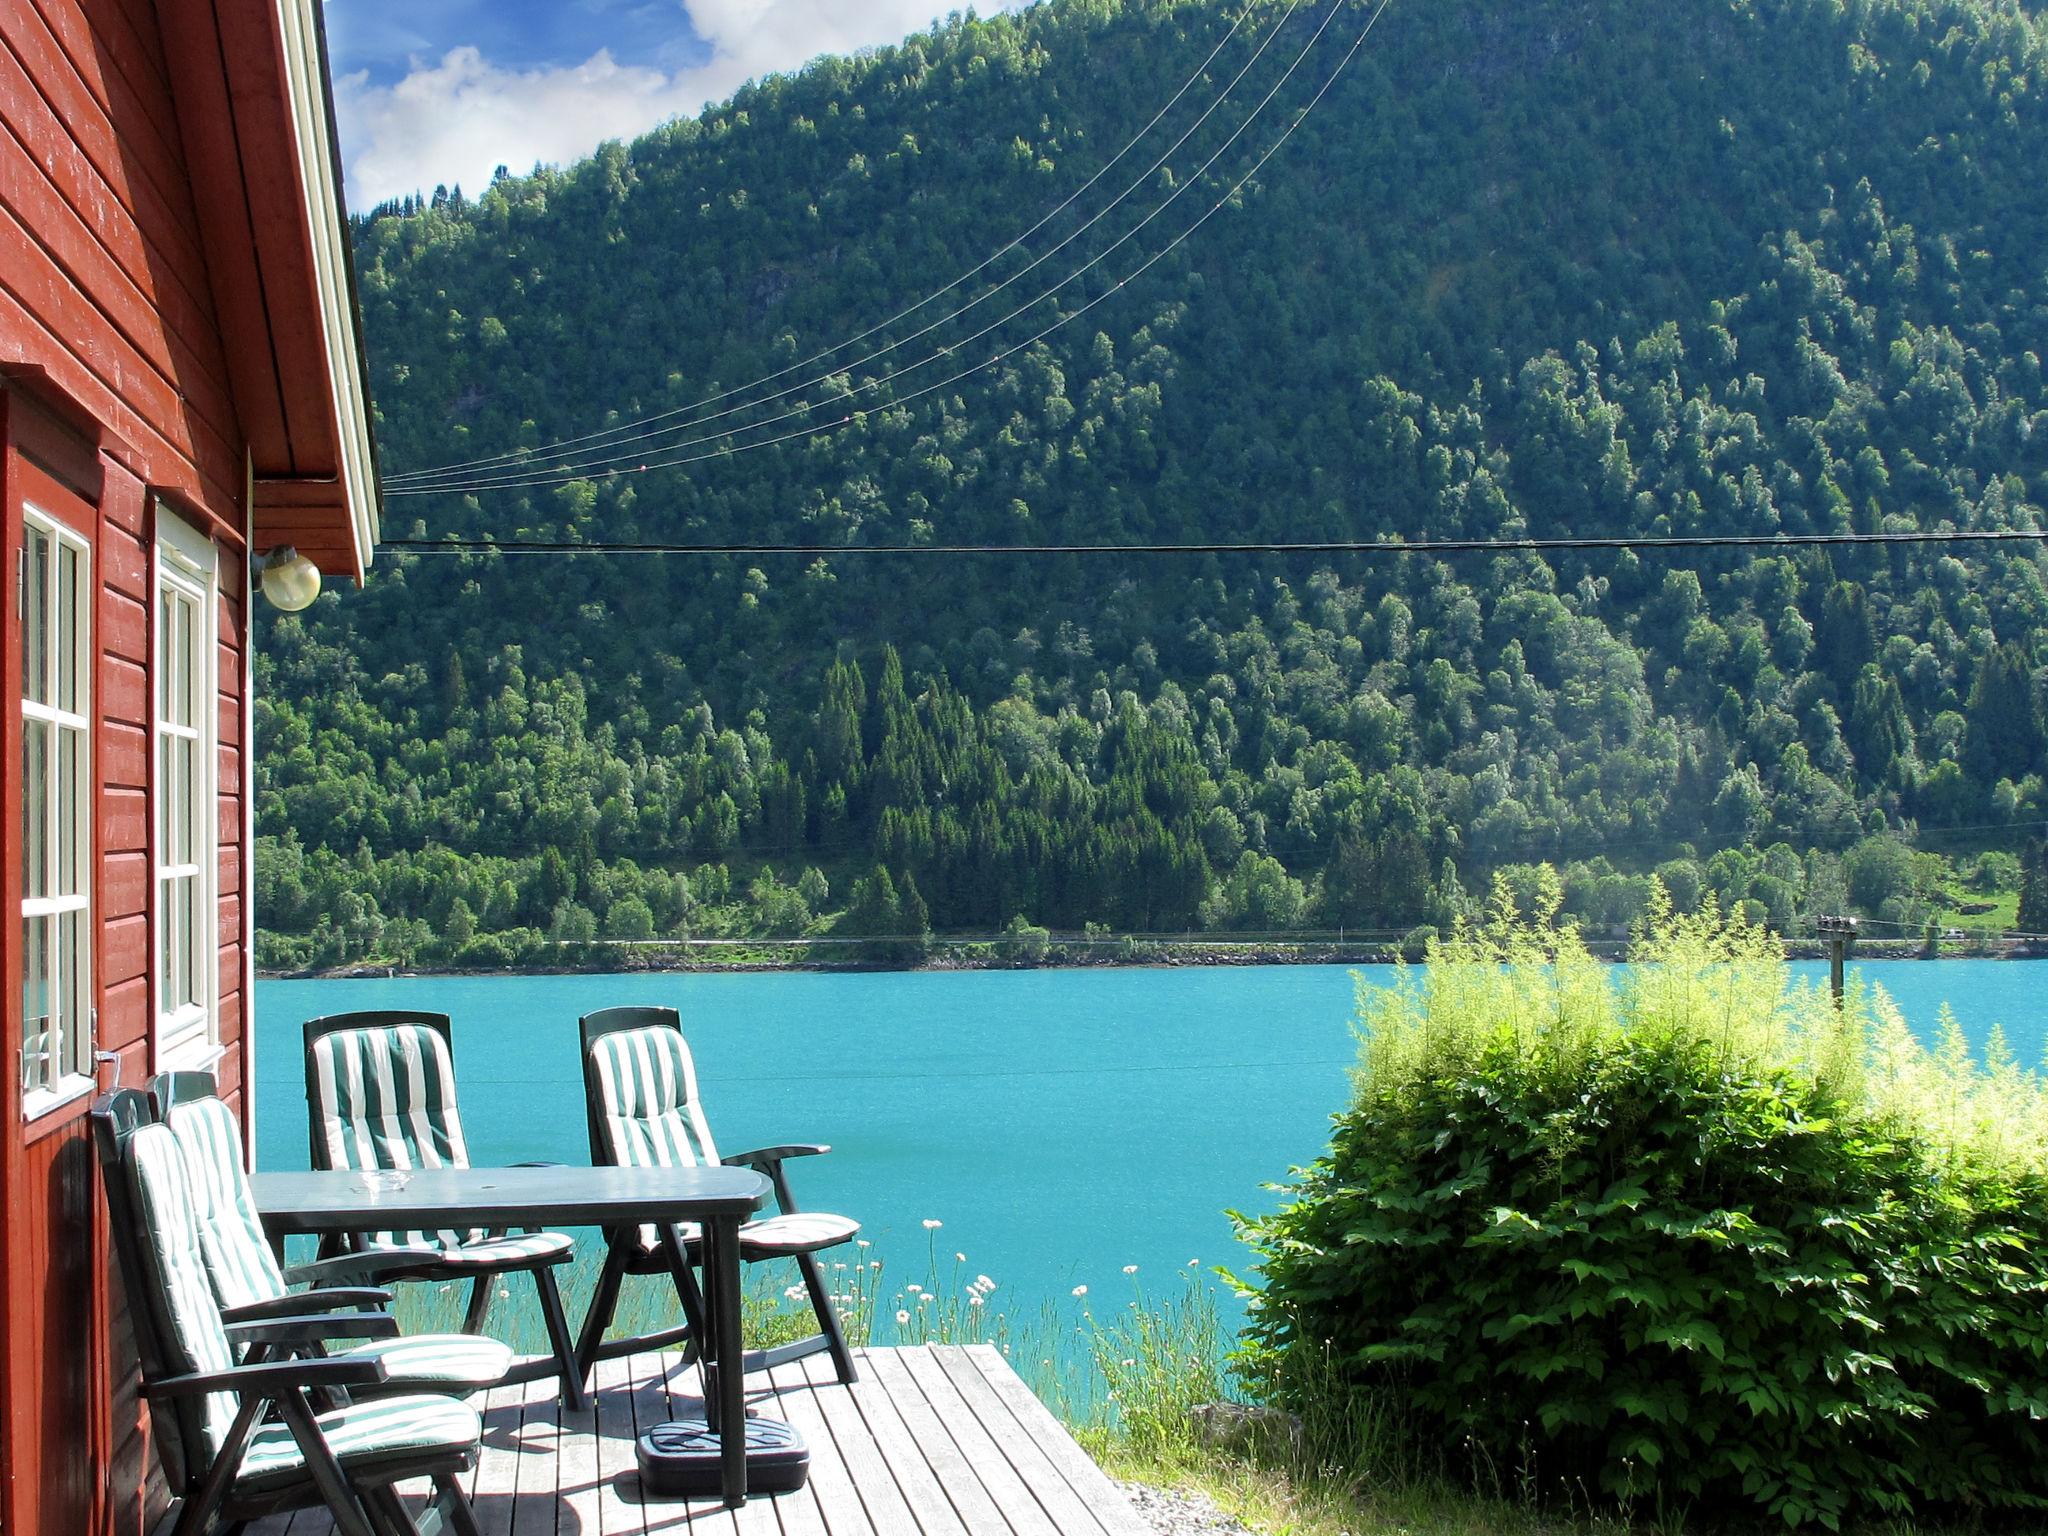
{"points": [[1061, 1124]]}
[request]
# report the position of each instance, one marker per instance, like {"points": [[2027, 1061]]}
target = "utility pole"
{"points": [[1840, 932]]}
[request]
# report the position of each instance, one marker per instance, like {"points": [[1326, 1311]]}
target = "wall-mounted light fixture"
{"points": [[288, 579]]}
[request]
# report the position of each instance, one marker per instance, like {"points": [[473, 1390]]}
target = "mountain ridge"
{"points": [[1713, 266]]}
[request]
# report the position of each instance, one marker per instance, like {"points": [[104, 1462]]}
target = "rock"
{"points": [[1244, 1427]]}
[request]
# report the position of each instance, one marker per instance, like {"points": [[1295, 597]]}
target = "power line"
{"points": [[522, 461], [1383, 547], [728, 448]]}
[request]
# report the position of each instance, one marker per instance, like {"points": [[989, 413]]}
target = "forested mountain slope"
{"points": [[1552, 267]]}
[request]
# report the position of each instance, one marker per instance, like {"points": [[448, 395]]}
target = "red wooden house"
{"points": [[181, 393]]}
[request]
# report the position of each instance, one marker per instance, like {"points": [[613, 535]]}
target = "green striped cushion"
{"points": [[384, 1429], [237, 1256], [384, 1097], [452, 1362], [194, 1339], [795, 1232], [652, 1116]]}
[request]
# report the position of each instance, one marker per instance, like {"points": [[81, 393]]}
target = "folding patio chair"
{"points": [[249, 1283], [380, 1094], [640, 1094], [242, 1440]]}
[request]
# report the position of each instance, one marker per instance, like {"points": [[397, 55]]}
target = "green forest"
{"points": [[1557, 268]]}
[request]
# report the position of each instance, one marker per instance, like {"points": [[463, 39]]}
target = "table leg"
{"points": [[724, 1366]]}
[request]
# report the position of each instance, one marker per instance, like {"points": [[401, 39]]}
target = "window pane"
{"points": [[35, 617], [184, 751], [70, 824], [74, 998], [164, 652], [35, 808], [188, 650], [196, 953], [39, 1044], [165, 945], [70, 630]]}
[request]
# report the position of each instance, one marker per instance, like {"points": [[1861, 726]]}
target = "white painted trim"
{"points": [[68, 1089], [77, 1054], [306, 79], [186, 561], [247, 737]]}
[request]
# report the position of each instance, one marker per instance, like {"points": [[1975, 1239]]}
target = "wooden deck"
{"points": [[932, 1441]]}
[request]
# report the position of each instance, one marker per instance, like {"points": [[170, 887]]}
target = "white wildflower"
{"points": [[931, 1224], [1080, 1290]]}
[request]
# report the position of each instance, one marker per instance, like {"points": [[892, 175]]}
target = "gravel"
{"points": [[1172, 1512]]}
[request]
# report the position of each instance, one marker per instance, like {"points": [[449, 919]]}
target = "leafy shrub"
{"points": [[1683, 1232]]}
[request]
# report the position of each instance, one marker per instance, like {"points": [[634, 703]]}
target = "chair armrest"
{"points": [[763, 1157], [312, 1329], [769, 1161], [541, 1163], [365, 1268], [367, 1298], [273, 1377]]}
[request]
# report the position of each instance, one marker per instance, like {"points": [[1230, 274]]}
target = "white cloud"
{"points": [[458, 118]]}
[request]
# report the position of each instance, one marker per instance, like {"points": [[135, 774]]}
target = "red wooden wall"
{"points": [[113, 384]]}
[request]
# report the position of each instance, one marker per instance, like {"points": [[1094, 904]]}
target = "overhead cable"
{"points": [[554, 449], [1646, 543], [728, 448]]}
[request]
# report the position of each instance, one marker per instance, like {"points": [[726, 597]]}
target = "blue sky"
{"points": [[442, 91]]}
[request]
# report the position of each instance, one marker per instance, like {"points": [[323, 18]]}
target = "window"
{"points": [[56, 814], [186, 857]]}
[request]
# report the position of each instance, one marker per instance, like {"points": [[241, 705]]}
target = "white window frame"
{"points": [[185, 965], [74, 1031]]}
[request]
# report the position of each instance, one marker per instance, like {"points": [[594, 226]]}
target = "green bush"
{"points": [[1682, 1233]]}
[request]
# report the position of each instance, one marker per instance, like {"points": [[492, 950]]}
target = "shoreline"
{"points": [[660, 959]]}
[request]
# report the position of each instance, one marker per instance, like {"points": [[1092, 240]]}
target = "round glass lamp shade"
{"points": [[290, 580]]}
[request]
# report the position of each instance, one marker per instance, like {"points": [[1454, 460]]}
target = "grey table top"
{"points": [[346, 1201]]}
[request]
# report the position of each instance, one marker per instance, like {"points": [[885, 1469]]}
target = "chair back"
{"points": [[238, 1256], [640, 1091], [380, 1094], [178, 1326]]}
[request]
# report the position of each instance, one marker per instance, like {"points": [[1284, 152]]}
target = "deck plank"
{"points": [[865, 1405], [576, 1489], [839, 1501], [612, 1388], [1009, 1492], [497, 1464], [1068, 1512], [672, 1391], [893, 1385], [534, 1511], [1090, 1483], [931, 1441], [887, 1500]]}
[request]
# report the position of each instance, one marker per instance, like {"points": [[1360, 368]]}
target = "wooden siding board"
{"points": [[27, 335], [123, 626], [102, 60], [124, 885], [79, 210], [206, 129], [139, 159], [65, 279]]}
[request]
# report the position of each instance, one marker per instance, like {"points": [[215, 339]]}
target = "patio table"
{"points": [[718, 1199]]}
